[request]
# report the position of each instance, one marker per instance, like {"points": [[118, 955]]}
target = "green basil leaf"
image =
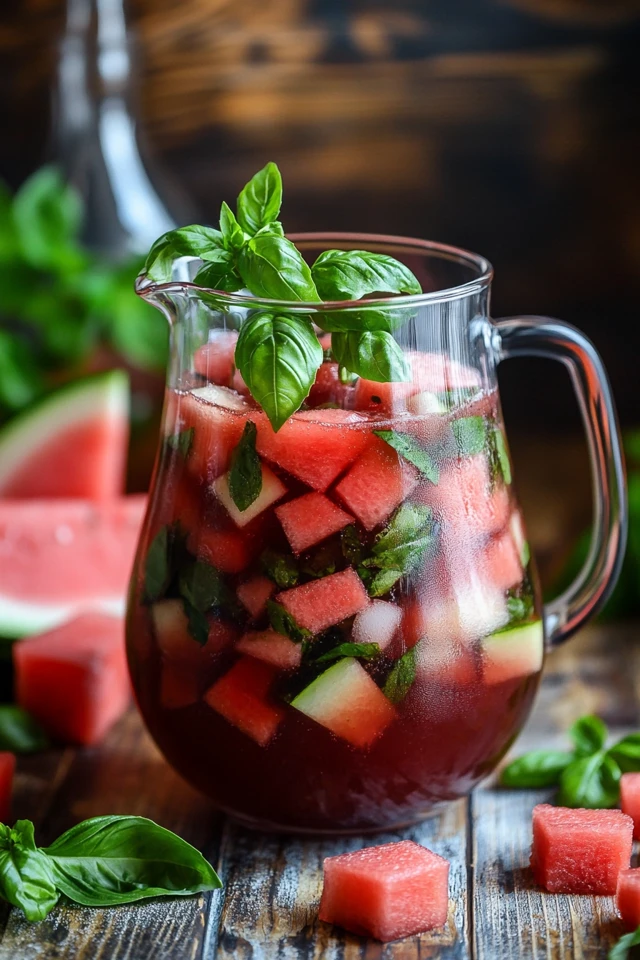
{"points": [[402, 544], [366, 651], [202, 585], [352, 274], [539, 768], [373, 354], [245, 475], [383, 581], [470, 435], [278, 357], [352, 548], [501, 454], [590, 782], [260, 200], [409, 448], [47, 214], [181, 442], [626, 753], [197, 623], [273, 267], [192, 241], [401, 677], [26, 876], [233, 236], [519, 609], [621, 950], [157, 570], [274, 229], [220, 274], [589, 735], [283, 622], [109, 860], [281, 568], [19, 732]]}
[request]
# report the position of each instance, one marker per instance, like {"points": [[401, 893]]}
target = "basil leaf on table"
{"points": [[273, 267], [233, 236], [589, 734], [280, 568], [620, 950], [19, 732], [260, 200], [626, 753], [366, 651], [372, 354], [591, 782], [282, 622], [26, 875], [245, 475], [536, 769], [409, 448], [352, 274], [401, 677], [118, 859], [278, 357]]}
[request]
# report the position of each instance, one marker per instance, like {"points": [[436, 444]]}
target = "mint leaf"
{"points": [[157, 568], [181, 442], [401, 677], [620, 950], [470, 435], [278, 357], [260, 200], [589, 734], [591, 782], [626, 753], [536, 769], [220, 274], [352, 274], [372, 354], [192, 241], [202, 586], [19, 732], [26, 875], [409, 448], [245, 475], [366, 651], [273, 267], [280, 568], [404, 541], [283, 622], [233, 236]]}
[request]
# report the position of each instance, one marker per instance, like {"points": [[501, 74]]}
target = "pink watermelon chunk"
{"points": [[171, 630], [7, 771], [217, 416], [178, 686], [314, 445], [628, 897], [630, 799], [72, 444], [310, 519], [376, 484], [580, 851], [328, 388], [387, 892], [500, 561], [60, 557], [228, 550], [463, 498], [215, 359], [272, 647], [241, 697], [322, 603], [254, 593], [74, 679]]}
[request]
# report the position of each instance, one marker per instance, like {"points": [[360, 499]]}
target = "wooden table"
{"points": [[267, 910]]}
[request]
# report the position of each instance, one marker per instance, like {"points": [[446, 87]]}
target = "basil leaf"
{"points": [[470, 435], [273, 267], [245, 475], [274, 229], [589, 734], [501, 454], [519, 609], [197, 623], [114, 859], [626, 753], [193, 241], [352, 549], [278, 357], [26, 876], [590, 782], [220, 274], [280, 568], [539, 768], [620, 950], [47, 215], [383, 581], [366, 651], [260, 200], [373, 354], [404, 541], [283, 622], [401, 678], [352, 274], [233, 236], [181, 442], [409, 448], [202, 585], [157, 570], [19, 732]]}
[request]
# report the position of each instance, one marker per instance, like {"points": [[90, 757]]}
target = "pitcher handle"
{"points": [[546, 337]]}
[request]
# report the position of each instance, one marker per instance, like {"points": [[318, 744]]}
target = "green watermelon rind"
{"points": [[97, 395], [526, 639], [19, 619]]}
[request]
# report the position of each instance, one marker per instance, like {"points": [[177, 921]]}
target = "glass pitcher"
{"points": [[363, 640]]}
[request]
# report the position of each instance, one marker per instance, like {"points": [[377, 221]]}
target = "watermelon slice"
{"points": [[171, 630], [314, 445], [630, 800], [215, 359], [7, 771], [217, 416], [387, 892], [513, 653], [322, 603], [254, 594], [628, 897], [500, 561], [376, 484], [310, 519], [580, 851], [59, 557], [463, 498], [271, 647], [241, 697], [272, 489], [345, 700], [74, 678], [178, 686], [72, 444], [377, 623]]}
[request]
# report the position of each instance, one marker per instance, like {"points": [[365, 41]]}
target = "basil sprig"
{"points": [[621, 949], [101, 862], [588, 776]]}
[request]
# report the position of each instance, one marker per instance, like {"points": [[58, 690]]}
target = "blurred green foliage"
{"points": [[58, 301]]}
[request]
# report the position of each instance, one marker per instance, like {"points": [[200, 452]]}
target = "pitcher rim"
{"points": [[148, 289]]}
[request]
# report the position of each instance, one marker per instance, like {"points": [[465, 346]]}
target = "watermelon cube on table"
{"points": [[630, 799], [272, 490], [580, 851], [325, 602], [376, 484], [74, 678], [272, 647], [7, 771], [389, 891], [241, 696], [628, 897], [254, 593], [309, 519]]}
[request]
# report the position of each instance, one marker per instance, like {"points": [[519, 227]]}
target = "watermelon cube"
{"points": [[325, 602], [228, 550], [175, 642], [314, 445], [254, 593], [513, 653], [241, 697], [377, 623], [328, 388], [390, 891], [377, 483], [580, 851], [215, 360], [74, 678], [7, 770], [178, 686], [217, 416], [500, 561], [272, 647], [429, 373], [630, 799], [463, 498], [345, 700], [272, 489], [628, 897], [310, 519]]}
